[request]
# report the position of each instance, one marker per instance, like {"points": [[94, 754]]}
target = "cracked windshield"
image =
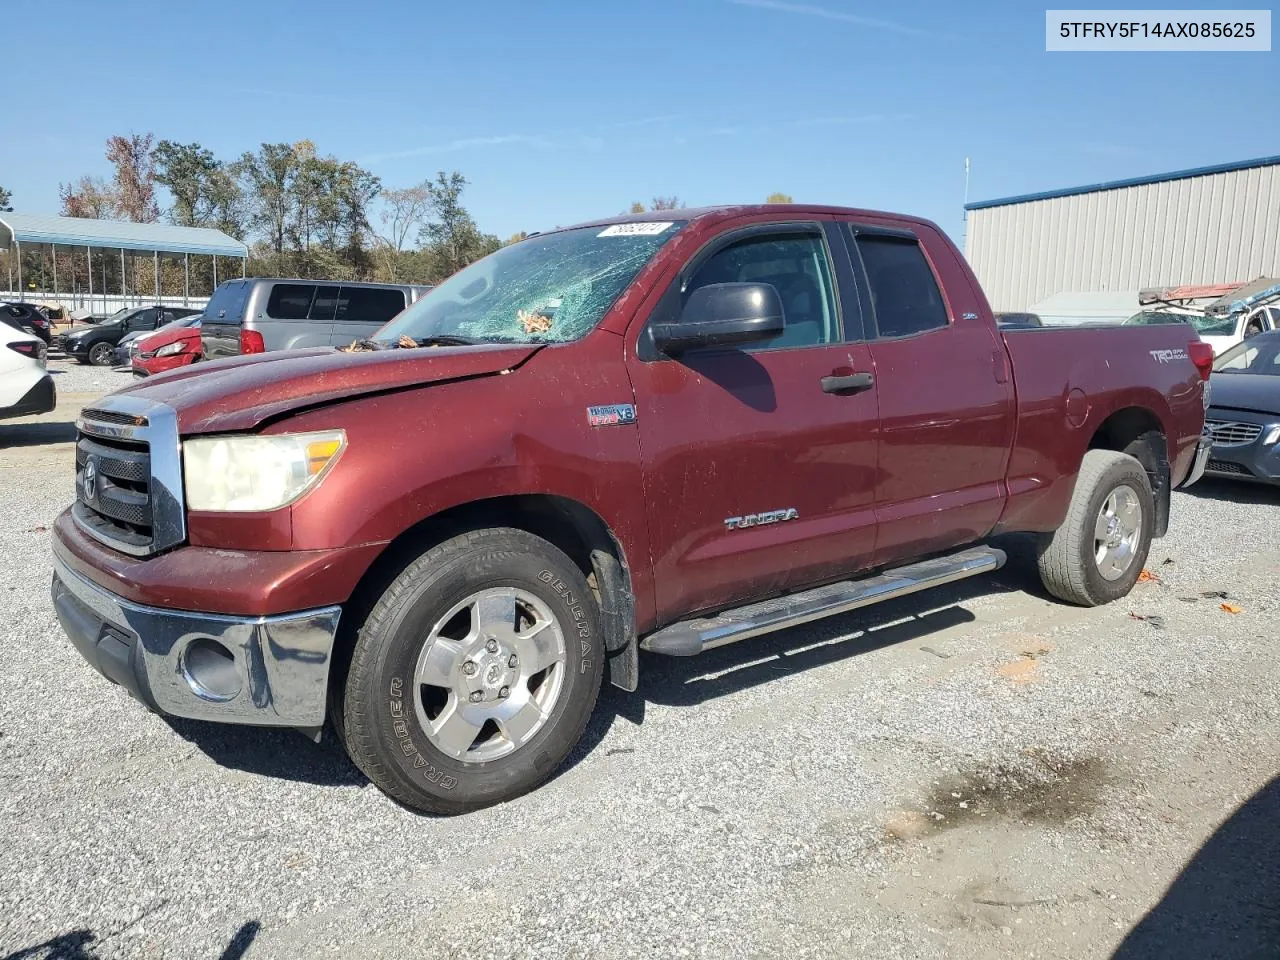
{"points": [[546, 289]]}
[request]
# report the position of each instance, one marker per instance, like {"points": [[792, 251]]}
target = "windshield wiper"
{"points": [[445, 340]]}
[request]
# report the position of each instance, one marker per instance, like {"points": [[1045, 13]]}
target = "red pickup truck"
{"points": [[668, 432]]}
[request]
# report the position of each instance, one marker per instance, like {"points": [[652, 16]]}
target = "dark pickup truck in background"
{"points": [[669, 432]]}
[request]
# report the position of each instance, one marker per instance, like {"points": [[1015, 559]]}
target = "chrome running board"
{"points": [[690, 637]]}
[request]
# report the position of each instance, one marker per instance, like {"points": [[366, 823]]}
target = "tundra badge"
{"points": [[760, 519], [611, 415]]}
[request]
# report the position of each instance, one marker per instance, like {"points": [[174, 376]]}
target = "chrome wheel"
{"points": [[489, 674], [1117, 532]]}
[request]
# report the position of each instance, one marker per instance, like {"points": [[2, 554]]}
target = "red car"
{"points": [[174, 345]]}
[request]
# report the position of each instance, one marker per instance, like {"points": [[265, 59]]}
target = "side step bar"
{"points": [[691, 637]]}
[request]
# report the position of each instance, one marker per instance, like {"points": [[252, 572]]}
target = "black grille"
{"points": [[111, 416], [116, 505], [1226, 466]]}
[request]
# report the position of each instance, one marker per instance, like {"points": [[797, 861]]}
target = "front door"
{"points": [[758, 479]]}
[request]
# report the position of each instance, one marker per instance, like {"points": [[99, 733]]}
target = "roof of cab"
{"points": [[733, 210]]}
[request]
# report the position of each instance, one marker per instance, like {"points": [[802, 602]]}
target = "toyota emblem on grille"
{"points": [[89, 483]]}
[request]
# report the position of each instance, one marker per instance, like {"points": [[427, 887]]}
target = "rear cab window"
{"points": [[227, 303], [905, 297]]}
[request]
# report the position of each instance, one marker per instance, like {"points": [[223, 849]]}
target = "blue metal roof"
{"points": [[116, 235], [1132, 182]]}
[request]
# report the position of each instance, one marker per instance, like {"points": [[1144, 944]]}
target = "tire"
{"points": [[102, 354], [1077, 562], [412, 738]]}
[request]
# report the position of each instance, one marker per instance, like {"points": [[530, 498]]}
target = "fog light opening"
{"points": [[210, 670]]}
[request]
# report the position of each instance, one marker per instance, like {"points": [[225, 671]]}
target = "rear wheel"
{"points": [[475, 673], [102, 355], [1099, 551]]}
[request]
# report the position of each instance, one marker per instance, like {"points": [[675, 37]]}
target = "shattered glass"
{"points": [[546, 289]]}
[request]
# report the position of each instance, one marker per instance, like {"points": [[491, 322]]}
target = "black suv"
{"points": [[97, 344], [26, 317]]}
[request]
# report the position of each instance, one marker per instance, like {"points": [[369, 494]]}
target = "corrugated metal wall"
{"points": [[1215, 228]]}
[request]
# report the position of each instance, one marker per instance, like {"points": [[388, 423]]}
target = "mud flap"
{"points": [[618, 620]]}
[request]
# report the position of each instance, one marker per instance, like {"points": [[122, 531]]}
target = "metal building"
{"points": [[1216, 224]]}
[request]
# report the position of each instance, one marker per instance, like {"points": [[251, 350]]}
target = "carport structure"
{"points": [[19, 231]]}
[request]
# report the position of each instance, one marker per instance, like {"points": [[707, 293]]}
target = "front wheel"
{"points": [[102, 355], [1099, 551], [475, 673]]}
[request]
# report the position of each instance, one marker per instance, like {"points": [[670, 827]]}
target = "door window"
{"points": [[290, 301], [797, 267], [369, 304], [324, 305], [904, 292]]}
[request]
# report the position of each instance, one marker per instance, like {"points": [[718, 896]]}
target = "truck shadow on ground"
{"points": [[1226, 902], [1235, 491], [670, 681], [36, 434], [84, 945]]}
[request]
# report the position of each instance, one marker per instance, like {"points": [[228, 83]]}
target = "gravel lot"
{"points": [[975, 772]]}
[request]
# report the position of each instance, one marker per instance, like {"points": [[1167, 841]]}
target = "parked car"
{"points": [[671, 431], [128, 347], [97, 344], [1244, 417], [170, 347], [1221, 333], [25, 385], [28, 317], [255, 315], [1018, 320]]}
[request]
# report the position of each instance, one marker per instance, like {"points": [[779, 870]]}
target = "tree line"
{"points": [[302, 213]]}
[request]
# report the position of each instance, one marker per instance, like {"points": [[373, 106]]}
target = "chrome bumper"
{"points": [[266, 671], [1203, 448]]}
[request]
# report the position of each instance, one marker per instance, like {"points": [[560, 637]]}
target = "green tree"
{"points": [[636, 207], [5, 198], [268, 179], [665, 203], [515, 238], [450, 235], [404, 211], [203, 190], [779, 198]]}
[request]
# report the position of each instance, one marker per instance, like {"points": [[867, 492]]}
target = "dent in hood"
{"points": [[239, 393]]}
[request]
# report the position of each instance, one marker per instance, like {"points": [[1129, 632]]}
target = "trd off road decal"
{"points": [[400, 720], [579, 615], [1168, 356]]}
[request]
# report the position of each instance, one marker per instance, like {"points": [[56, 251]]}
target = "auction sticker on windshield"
{"points": [[633, 230]]}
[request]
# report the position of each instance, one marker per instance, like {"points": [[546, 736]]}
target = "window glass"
{"points": [[325, 304], [229, 297], [290, 301], [796, 266], [369, 304], [904, 292]]}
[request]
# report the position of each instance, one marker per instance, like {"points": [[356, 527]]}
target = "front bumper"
{"points": [[265, 671]]}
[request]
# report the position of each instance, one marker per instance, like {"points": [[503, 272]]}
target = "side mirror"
{"points": [[722, 315]]}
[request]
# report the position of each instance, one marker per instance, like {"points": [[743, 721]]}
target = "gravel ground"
{"points": [[974, 772], [76, 378]]}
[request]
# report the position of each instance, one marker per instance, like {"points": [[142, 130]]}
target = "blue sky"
{"points": [[561, 111]]}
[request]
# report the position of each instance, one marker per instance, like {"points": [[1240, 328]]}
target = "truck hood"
{"points": [[1246, 391], [239, 393]]}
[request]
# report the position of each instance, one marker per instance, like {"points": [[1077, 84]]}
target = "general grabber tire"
{"points": [[1099, 551], [475, 673]]}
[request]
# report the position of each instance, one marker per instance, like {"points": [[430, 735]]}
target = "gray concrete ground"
{"points": [[976, 772]]}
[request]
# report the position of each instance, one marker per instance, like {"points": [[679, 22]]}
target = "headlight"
{"points": [[1273, 435], [169, 349], [256, 473]]}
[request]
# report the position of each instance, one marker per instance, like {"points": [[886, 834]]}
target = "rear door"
{"points": [[362, 311], [223, 315], [757, 478], [946, 397]]}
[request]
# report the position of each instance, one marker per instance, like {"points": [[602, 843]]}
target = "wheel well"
{"points": [[1138, 432], [567, 524]]}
